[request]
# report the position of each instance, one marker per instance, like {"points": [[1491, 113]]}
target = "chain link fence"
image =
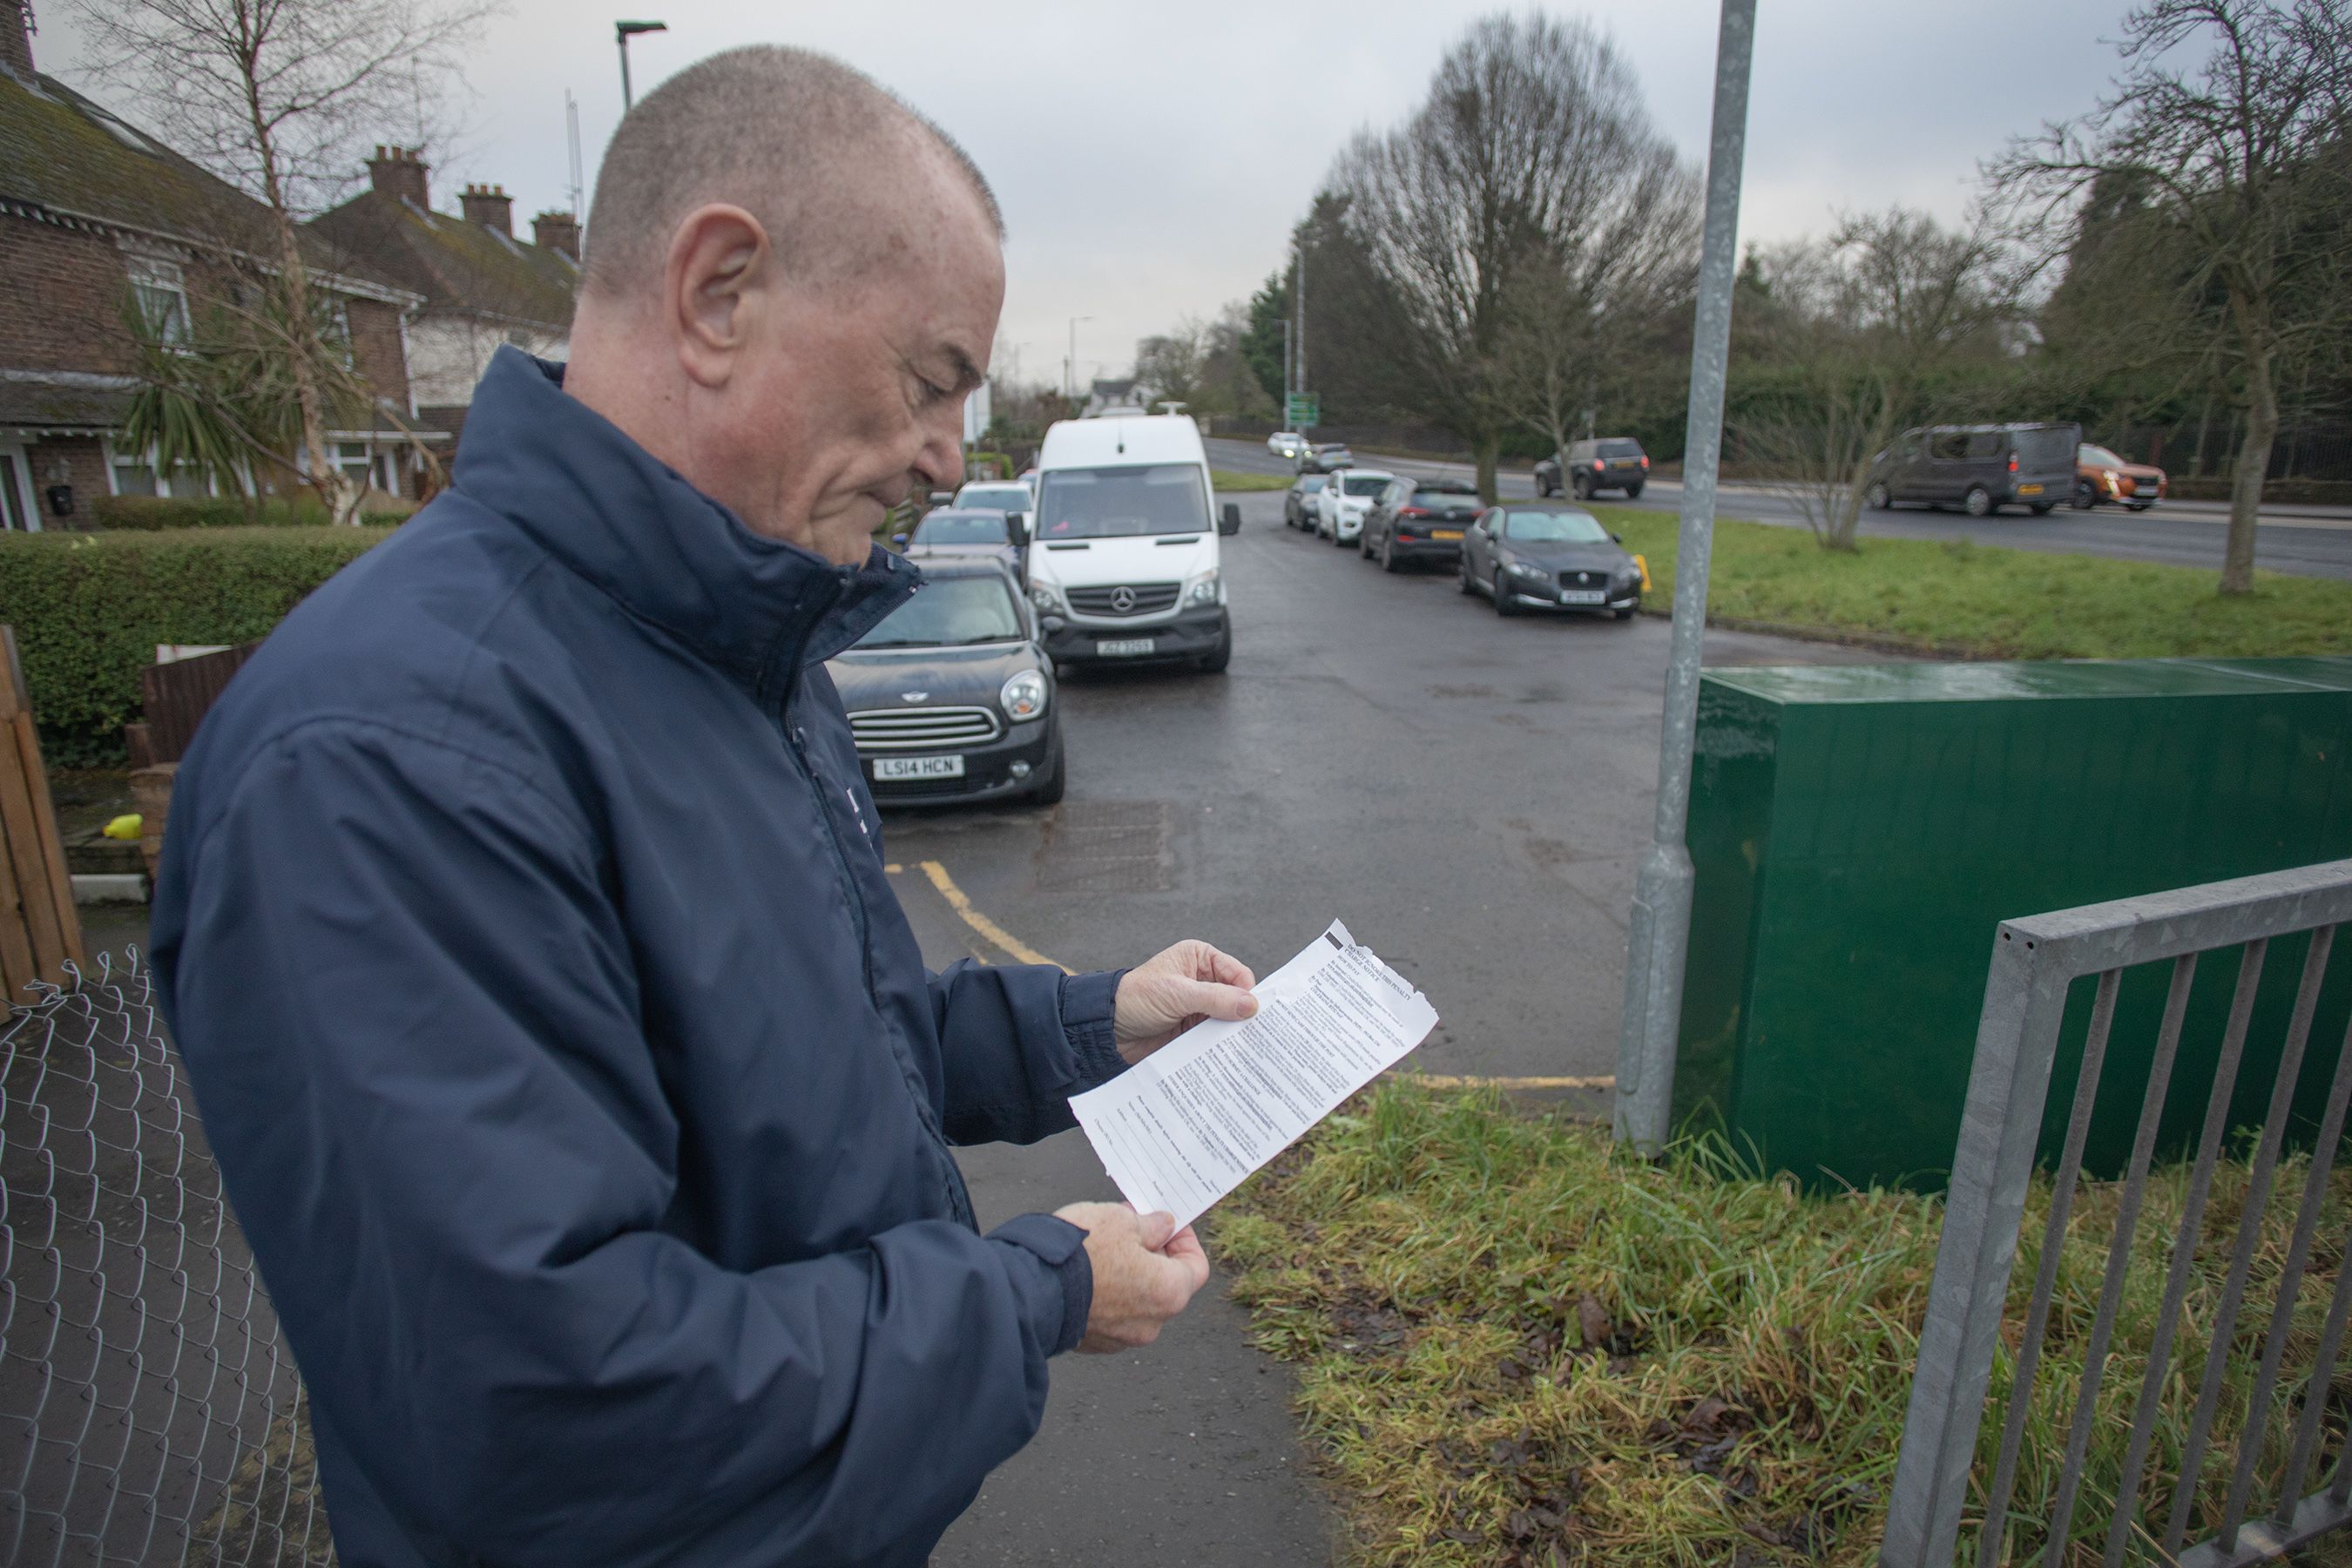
{"points": [[151, 1411]]}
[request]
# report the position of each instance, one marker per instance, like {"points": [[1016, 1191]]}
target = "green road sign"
{"points": [[1301, 409]]}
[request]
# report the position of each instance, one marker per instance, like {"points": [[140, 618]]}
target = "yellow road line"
{"points": [[981, 922], [1475, 1080]]}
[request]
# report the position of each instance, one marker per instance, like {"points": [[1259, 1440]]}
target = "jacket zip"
{"points": [[958, 1197]]}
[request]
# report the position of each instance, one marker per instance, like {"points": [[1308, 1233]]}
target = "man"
{"points": [[568, 1060]]}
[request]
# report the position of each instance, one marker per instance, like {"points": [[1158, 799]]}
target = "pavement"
{"points": [[1471, 795], [2301, 540]]}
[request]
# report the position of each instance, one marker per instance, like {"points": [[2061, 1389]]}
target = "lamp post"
{"points": [[621, 32], [1070, 366]]}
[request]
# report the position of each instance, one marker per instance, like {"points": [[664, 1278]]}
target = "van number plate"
{"points": [[1116, 647], [918, 767], [2028, 489]]}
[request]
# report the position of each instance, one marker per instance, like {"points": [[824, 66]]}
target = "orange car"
{"points": [[2100, 475]]}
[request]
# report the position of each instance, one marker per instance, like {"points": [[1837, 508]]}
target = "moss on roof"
{"points": [[454, 263]]}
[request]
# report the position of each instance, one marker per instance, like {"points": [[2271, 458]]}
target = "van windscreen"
{"points": [[1111, 503]]}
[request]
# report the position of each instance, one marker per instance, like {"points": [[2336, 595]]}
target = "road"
{"points": [[1471, 795], [2302, 540]]}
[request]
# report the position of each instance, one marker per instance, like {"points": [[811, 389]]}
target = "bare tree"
{"points": [[2231, 119], [1531, 152], [1852, 340], [276, 97]]}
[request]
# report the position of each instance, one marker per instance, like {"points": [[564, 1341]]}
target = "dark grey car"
{"points": [[1979, 469], [1298, 502], [1418, 520], [952, 697], [1548, 554]]}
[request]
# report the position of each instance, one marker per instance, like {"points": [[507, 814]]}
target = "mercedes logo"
{"points": [[1122, 600]]}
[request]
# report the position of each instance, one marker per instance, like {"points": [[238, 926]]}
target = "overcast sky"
{"points": [[1152, 159]]}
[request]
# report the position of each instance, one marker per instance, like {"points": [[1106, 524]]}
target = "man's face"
{"points": [[850, 393]]}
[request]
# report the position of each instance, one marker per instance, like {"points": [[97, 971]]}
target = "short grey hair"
{"points": [[786, 133]]}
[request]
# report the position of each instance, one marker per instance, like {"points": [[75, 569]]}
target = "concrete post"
{"points": [[1660, 935]]}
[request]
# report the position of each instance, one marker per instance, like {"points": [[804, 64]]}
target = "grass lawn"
{"points": [[1983, 602], [1243, 483], [1517, 1347]]}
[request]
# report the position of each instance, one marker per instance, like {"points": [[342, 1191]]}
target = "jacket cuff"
{"points": [[1061, 1247], [1088, 1018]]}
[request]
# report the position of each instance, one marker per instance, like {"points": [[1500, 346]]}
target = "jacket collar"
{"points": [[593, 498]]}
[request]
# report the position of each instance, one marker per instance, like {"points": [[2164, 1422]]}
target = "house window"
{"points": [[356, 462], [339, 330], [134, 474], [162, 299]]}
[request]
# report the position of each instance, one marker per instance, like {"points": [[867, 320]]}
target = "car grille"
{"points": [[1125, 599], [923, 729], [1584, 579]]}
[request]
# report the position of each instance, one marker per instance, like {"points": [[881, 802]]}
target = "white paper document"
{"points": [[1188, 1123]]}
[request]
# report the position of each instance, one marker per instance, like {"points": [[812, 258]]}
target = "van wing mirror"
{"points": [[1230, 521]]}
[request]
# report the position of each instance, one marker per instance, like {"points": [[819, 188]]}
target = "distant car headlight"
{"points": [[1047, 597], [1203, 589], [1024, 696], [2114, 482], [1523, 569]]}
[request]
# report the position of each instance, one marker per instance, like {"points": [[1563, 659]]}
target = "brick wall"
{"points": [[376, 351], [61, 301], [85, 469]]}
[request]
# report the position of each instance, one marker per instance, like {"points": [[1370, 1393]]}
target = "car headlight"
{"points": [[1203, 589], [1522, 569], [2114, 481], [1047, 597], [1024, 696]]}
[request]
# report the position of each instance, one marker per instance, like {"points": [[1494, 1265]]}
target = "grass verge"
{"points": [[1985, 602], [1518, 1348], [1239, 484]]}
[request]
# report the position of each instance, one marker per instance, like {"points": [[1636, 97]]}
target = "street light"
{"points": [[1070, 366], [621, 32]]}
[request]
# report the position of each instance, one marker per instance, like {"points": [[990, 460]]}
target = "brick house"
{"points": [[482, 287], [97, 219]]}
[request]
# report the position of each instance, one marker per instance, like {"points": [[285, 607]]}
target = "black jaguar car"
{"points": [[1549, 555], [952, 697]]}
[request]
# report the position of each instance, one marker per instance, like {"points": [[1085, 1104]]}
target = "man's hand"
{"points": [[1143, 1274], [1161, 999]]}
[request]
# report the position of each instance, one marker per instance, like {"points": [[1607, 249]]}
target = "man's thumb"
{"points": [[1155, 1229], [1215, 1001]]}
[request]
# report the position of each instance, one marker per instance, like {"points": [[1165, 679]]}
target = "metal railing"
{"points": [[2035, 964], [149, 1410]]}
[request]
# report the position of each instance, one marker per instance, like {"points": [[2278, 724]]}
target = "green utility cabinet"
{"points": [[1859, 833]]}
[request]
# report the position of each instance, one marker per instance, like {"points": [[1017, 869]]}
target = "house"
{"points": [[98, 219], [1117, 396], [481, 286]]}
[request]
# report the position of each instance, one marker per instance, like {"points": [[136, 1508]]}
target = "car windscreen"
{"points": [[1004, 498], [2098, 457], [1331, 448], [1110, 503], [1364, 484], [962, 527], [1619, 450], [1553, 528], [1444, 487], [1309, 483], [948, 612]]}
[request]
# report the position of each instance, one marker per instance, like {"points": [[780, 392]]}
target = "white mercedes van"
{"points": [[1123, 563]]}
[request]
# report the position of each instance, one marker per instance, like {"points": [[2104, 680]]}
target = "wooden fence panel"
{"points": [[40, 929]]}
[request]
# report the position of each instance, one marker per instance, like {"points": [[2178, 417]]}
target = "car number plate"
{"points": [[918, 768], [2028, 489], [1584, 597], [1445, 533], [1116, 647]]}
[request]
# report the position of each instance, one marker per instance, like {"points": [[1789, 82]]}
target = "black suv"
{"points": [[1611, 463], [1418, 520]]}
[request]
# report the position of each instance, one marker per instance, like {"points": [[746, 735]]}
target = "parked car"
{"points": [[1010, 496], [1298, 503], [1340, 505], [963, 532], [1549, 555], [951, 696], [1978, 467], [1328, 457], [1611, 463], [1418, 520], [2101, 476], [1286, 443], [1125, 566]]}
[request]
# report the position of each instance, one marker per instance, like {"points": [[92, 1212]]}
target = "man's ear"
{"points": [[714, 288]]}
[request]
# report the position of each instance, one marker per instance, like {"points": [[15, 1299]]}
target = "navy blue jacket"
{"points": [[568, 1060]]}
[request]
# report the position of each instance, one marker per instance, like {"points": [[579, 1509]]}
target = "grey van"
{"points": [[1977, 467]]}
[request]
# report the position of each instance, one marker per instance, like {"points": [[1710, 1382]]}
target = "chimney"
{"points": [[398, 172], [557, 231], [16, 38], [490, 206]]}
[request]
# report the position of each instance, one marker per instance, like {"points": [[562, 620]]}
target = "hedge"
{"points": [[89, 608], [152, 513]]}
